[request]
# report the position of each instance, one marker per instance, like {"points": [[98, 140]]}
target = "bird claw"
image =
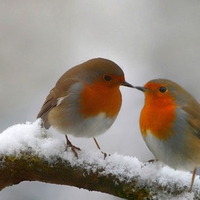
{"points": [[145, 163], [73, 149], [105, 154], [152, 161]]}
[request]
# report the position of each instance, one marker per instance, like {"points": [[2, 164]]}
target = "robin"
{"points": [[170, 125], [85, 100]]}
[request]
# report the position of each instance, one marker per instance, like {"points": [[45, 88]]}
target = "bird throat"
{"points": [[158, 119]]}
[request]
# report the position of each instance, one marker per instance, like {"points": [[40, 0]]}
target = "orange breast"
{"points": [[158, 118], [98, 98]]}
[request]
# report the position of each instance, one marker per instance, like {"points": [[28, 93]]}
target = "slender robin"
{"points": [[85, 100], [170, 125]]}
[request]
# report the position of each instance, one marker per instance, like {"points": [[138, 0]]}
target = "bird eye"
{"points": [[107, 78], [163, 89]]}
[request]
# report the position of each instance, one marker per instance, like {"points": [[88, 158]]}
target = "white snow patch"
{"points": [[31, 136]]}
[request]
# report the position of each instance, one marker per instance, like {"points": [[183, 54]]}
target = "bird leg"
{"points": [[73, 148], [193, 177], [105, 154]]}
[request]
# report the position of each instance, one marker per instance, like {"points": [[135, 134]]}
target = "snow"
{"points": [[45, 144]]}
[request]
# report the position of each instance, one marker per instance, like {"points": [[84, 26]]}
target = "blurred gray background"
{"points": [[40, 40]]}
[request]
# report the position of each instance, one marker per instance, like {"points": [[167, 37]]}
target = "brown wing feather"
{"points": [[60, 90], [49, 103], [193, 111]]}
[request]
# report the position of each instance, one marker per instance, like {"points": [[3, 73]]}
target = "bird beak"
{"points": [[143, 89], [127, 84]]}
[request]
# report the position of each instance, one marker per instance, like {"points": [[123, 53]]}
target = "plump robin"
{"points": [[170, 125], [85, 100]]}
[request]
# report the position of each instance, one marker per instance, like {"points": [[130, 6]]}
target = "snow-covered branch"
{"points": [[27, 153]]}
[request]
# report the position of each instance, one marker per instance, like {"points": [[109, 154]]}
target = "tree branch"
{"points": [[30, 167], [28, 153]]}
